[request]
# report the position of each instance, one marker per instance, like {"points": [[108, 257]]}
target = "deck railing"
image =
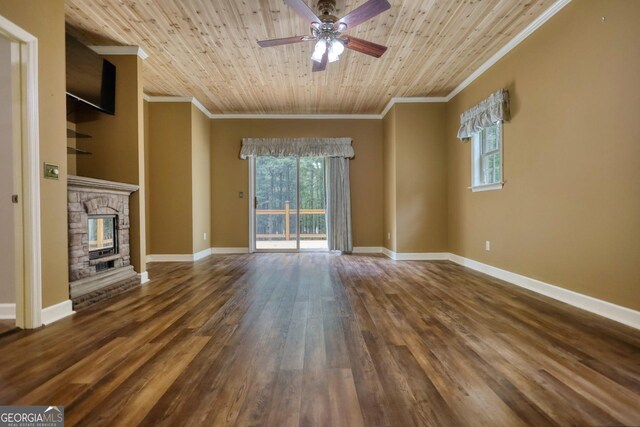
{"points": [[287, 211]]}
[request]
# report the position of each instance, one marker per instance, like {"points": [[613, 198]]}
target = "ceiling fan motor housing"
{"points": [[326, 7], [327, 28]]}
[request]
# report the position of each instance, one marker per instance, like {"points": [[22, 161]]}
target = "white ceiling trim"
{"points": [[300, 116], [519, 38], [189, 99], [202, 108], [120, 50], [416, 100]]}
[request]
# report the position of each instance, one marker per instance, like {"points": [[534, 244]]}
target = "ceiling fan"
{"points": [[328, 31]]}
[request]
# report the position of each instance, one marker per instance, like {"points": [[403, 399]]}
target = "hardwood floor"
{"points": [[7, 325], [319, 339]]}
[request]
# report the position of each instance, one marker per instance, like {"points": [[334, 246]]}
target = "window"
{"points": [[486, 167]]}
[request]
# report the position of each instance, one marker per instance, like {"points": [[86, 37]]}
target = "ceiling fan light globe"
{"points": [[337, 47], [321, 46], [319, 50], [333, 57]]}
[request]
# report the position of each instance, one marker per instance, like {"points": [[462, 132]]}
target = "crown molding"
{"points": [[189, 99], [120, 50], [202, 108], [300, 116], [414, 100], [519, 38]]}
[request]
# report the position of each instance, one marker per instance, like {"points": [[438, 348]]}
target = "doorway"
{"points": [[289, 209], [20, 135]]}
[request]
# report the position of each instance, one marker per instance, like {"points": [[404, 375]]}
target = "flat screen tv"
{"points": [[90, 78]]}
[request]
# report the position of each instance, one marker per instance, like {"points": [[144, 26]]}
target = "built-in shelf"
{"points": [[71, 150], [73, 134]]}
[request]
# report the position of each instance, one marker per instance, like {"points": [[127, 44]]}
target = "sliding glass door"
{"points": [[313, 219], [289, 205]]}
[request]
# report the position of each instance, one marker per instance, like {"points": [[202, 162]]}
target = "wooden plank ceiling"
{"points": [[207, 49]]}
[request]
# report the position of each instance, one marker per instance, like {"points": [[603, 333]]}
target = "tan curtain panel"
{"points": [[488, 112], [338, 204], [297, 147]]}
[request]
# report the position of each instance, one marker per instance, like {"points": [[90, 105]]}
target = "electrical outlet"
{"points": [[241, 194], [205, 235], [487, 245], [388, 236]]}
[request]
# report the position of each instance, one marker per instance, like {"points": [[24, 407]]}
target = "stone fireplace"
{"points": [[99, 254]]}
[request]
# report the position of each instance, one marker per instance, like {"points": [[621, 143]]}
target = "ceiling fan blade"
{"points": [[365, 12], [279, 42], [302, 9], [322, 65], [366, 47]]}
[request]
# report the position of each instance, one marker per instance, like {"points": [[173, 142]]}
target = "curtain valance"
{"points": [[488, 112], [297, 147]]}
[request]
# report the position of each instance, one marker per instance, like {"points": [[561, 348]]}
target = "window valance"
{"points": [[297, 147], [488, 112]]}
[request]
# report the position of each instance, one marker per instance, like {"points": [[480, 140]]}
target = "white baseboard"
{"points": [[603, 308], [229, 251], [7, 311], [56, 312], [195, 257], [144, 277], [202, 254], [418, 256], [367, 250], [170, 258]]}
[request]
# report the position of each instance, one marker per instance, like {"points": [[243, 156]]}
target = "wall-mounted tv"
{"points": [[90, 78]]}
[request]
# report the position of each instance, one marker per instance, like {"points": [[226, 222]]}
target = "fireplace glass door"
{"points": [[102, 236]]}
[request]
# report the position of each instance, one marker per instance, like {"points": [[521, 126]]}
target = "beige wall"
{"points": [[421, 178], [415, 178], [179, 165], [117, 144], [389, 176], [45, 20], [201, 172], [230, 174], [569, 213], [170, 180]]}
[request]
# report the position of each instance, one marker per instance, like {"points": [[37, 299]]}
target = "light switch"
{"points": [[51, 171]]}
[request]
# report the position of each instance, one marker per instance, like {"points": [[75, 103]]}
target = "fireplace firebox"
{"points": [[102, 235]]}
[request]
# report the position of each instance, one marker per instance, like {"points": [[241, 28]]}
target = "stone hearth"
{"points": [[93, 280]]}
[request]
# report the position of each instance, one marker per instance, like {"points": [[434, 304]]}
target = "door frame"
{"points": [[29, 294]]}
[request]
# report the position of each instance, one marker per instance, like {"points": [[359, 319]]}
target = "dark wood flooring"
{"points": [[319, 339], [7, 325]]}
